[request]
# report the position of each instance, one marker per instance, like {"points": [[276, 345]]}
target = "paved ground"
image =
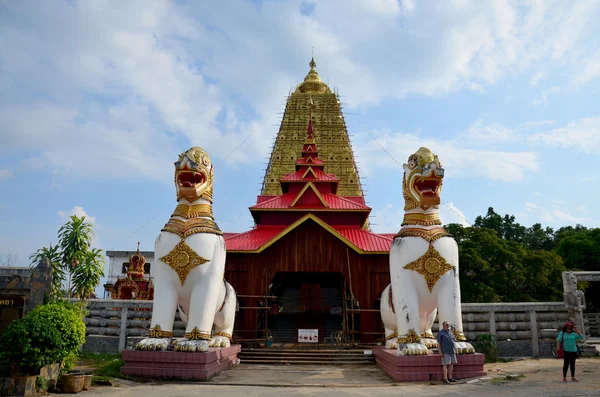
{"points": [[541, 378]]}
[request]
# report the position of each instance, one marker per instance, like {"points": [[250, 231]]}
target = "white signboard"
{"points": [[308, 336]]}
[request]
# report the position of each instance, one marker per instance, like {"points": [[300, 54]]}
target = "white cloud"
{"points": [[590, 70], [530, 206], [135, 88], [5, 174], [480, 133], [534, 124], [559, 216], [582, 135], [544, 97], [533, 82], [458, 159], [77, 211]]}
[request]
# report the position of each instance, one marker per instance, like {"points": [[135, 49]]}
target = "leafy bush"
{"points": [[486, 344], [47, 335], [41, 384]]}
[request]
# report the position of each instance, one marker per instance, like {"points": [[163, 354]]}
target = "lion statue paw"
{"points": [[413, 349], [219, 341], [187, 345], [430, 343], [391, 344], [464, 348], [160, 344]]}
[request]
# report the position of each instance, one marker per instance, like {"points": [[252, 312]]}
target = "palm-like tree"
{"points": [[87, 275], [53, 254], [75, 238]]}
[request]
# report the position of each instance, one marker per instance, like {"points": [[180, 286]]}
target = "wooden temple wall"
{"points": [[309, 248]]}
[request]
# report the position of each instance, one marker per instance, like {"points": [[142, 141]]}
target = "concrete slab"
{"points": [[542, 378]]}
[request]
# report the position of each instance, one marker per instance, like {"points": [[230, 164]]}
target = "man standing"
{"points": [[446, 341]]}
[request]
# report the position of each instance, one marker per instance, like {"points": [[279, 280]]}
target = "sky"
{"points": [[98, 99]]}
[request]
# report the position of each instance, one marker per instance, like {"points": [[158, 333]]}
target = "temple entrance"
{"points": [[306, 301]]}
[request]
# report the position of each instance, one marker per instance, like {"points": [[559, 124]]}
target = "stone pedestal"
{"points": [[426, 368], [179, 365]]}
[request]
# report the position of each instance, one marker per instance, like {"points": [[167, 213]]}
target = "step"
{"points": [[289, 357], [306, 362], [286, 354]]}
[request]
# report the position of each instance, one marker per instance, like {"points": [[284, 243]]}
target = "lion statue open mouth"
{"points": [[423, 265], [190, 264]]}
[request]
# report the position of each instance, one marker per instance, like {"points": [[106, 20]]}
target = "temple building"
{"points": [[311, 250], [135, 285]]}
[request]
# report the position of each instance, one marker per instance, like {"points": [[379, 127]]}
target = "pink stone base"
{"points": [[426, 368], [179, 365]]}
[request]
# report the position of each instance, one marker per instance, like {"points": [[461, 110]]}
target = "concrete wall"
{"points": [[522, 329]]}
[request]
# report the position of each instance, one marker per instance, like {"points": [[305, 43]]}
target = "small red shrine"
{"points": [[312, 249], [135, 285]]}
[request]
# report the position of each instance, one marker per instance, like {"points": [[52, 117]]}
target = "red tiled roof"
{"points": [[366, 240], [227, 235], [321, 176], [333, 201], [254, 239], [313, 160]]}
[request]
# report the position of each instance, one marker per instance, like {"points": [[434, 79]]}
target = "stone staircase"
{"points": [[306, 356]]}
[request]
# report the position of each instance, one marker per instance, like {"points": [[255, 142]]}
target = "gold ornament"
{"points": [[430, 235], [183, 259], [193, 211], [392, 336], [409, 201], [225, 334], [421, 219], [427, 335], [156, 332], [196, 334], [460, 337], [185, 228], [411, 337], [431, 265]]}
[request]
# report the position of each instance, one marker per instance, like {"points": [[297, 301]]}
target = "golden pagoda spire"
{"points": [[313, 100]]}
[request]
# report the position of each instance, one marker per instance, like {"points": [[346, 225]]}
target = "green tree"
{"points": [[87, 275], [53, 254], [72, 257]]}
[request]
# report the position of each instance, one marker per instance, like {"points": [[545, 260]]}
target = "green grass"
{"points": [[101, 380], [107, 365], [97, 359], [508, 378]]}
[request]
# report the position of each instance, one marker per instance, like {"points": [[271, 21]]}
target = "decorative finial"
{"points": [[138, 249], [312, 63]]}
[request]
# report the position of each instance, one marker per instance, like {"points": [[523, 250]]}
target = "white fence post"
{"points": [[123, 335]]}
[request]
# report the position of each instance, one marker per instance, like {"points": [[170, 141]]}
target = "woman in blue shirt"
{"points": [[568, 337]]}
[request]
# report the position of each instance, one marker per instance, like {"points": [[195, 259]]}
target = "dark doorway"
{"points": [[306, 301]]}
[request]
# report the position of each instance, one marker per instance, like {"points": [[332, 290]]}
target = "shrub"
{"points": [[47, 335], [486, 344]]}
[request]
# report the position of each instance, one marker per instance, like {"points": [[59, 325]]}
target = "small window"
{"points": [[125, 267], [147, 268]]}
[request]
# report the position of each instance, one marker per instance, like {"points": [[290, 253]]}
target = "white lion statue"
{"points": [[189, 266], [423, 266]]}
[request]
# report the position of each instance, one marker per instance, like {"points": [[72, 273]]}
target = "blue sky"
{"points": [[97, 99]]}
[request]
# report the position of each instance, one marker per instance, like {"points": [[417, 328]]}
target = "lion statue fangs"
{"points": [[423, 266], [189, 266]]}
